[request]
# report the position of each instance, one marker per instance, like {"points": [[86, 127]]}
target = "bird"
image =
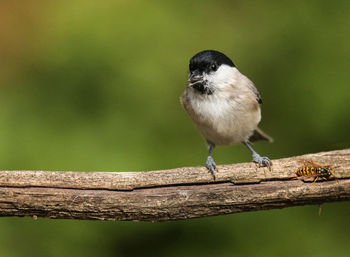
{"points": [[223, 104]]}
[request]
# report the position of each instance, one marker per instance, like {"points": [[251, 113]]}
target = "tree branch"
{"points": [[163, 195]]}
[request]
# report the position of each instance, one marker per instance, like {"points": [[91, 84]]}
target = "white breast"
{"points": [[229, 115]]}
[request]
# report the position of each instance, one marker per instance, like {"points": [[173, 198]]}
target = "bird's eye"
{"points": [[214, 67]]}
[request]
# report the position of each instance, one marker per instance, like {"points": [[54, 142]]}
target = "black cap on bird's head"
{"points": [[208, 61]]}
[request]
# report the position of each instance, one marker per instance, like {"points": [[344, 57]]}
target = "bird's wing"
{"points": [[255, 91]]}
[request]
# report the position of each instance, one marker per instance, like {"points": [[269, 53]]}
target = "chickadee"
{"points": [[223, 104]]}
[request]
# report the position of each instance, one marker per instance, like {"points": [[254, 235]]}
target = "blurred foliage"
{"points": [[95, 85]]}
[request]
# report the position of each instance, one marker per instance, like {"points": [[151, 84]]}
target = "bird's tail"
{"points": [[260, 135]]}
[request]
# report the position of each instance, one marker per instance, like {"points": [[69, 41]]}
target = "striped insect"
{"points": [[313, 169]]}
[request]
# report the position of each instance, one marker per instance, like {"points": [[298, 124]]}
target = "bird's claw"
{"points": [[211, 165], [262, 161]]}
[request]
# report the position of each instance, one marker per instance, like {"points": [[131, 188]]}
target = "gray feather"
{"points": [[260, 135]]}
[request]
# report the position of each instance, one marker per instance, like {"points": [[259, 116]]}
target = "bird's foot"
{"points": [[262, 161], [211, 165]]}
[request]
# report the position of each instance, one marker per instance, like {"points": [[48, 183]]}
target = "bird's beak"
{"points": [[195, 79]]}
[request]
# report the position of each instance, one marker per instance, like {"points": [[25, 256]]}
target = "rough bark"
{"points": [[164, 195]]}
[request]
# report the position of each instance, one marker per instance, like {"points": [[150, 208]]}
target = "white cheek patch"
{"points": [[223, 76]]}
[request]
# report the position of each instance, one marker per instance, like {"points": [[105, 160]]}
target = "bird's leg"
{"points": [[210, 164], [262, 161]]}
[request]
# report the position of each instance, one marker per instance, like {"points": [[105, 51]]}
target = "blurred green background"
{"points": [[95, 86]]}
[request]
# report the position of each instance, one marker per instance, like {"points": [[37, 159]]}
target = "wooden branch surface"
{"points": [[163, 195]]}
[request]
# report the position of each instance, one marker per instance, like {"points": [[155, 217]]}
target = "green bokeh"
{"points": [[95, 86]]}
